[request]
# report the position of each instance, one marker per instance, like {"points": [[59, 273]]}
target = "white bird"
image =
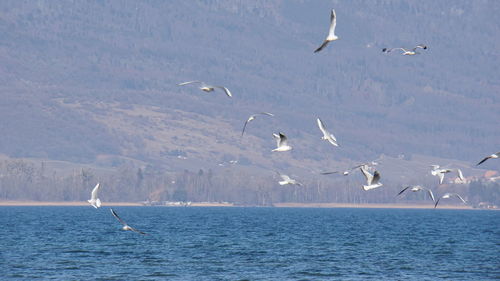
{"points": [[287, 180], [94, 200], [326, 135], [207, 88], [252, 117], [331, 32], [125, 225], [416, 188], [281, 142], [449, 195], [372, 181], [492, 156], [406, 52], [436, 171]]}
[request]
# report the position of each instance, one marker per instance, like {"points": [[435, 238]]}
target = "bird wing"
{"points": [[460, 175], [266, 113], [441, 177], [333, 24], [437, 202], [244, 126], [421, 46], [226, 90], [368, 176], [459, 197], [283, 140], [322, 46], [376, 177], [189, 82], [482, 161], [331, 138], [431, 194], [93, 195], [322, 127], [329, 173], [138, 231], [117, 217], [404, 189], [285, 177], [277, 138], [392, 49]]}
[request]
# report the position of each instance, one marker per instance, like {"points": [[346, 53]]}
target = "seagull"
{"points": [[125, 225], [331, 32], [372, 181], [449, 195], [436, 171], [326, 135], [406, 52], [207, 88], [252, 117], [416, 188], [281, 142], [492, 156], [94, 201], [287, 180]]}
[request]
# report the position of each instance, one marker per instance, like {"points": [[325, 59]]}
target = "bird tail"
{"points": [[282, 182]]}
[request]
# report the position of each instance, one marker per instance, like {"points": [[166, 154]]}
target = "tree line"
{"points": [[29, 180]]}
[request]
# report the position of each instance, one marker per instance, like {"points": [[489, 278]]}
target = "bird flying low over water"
{"points": [[449, 195], [207, 88], [331, 32], [406, 52], [94, 200], [125, 225], [326, 135], [281, 142], [287, 180], [252, 117], [416, 188], [372, 181], [492, 156], [436, 171]]}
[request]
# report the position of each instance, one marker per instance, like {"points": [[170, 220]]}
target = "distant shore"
{"points": [[215, 204]]}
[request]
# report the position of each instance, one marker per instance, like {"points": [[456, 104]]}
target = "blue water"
{"points": [[81, 243]]}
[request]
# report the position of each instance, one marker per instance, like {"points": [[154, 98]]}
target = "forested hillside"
{"points": [[94, 83]]}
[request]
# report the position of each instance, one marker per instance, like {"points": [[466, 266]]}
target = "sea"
{"points": [[232, 243]]}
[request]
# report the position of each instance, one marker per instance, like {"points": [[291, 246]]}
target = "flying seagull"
{"points": [[281, 142], [287, 180], [492, 156], [125, 225], [207, 88], [449, 195], [94, 201], [416, 188], [331, 32], [252, 117], [372, 181], [326, 135], [436, 171], [406, 52]]}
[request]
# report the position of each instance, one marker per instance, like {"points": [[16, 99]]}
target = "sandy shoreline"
{"points": [[279, 205]]}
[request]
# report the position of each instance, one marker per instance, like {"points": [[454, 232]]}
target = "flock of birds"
{"points": [[282, 145]]}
